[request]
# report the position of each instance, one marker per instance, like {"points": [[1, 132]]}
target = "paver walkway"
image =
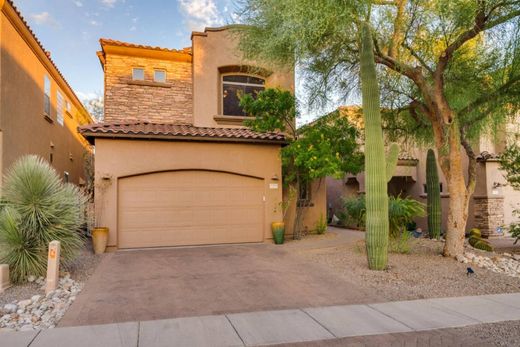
{"points": [[285, 326]]}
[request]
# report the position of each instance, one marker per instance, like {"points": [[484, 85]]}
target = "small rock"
{"points": [[507, 255], [460, 258], [24, 303], [516, 256], [36, 298], [10, 308], [31, 278]]}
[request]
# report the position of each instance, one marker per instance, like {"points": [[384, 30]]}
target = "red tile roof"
{"points": [[166, 131], [111, 42]]}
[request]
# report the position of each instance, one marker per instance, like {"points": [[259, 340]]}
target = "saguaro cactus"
{"points": [[433, 203], [376, 171]]}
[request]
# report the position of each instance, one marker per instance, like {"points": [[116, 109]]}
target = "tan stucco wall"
{"points": [[22, 124], [156, 102], [212, 50], [120, 158], [316, 208]]}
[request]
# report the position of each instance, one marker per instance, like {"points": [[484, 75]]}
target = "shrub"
{"points": [[320, 226], [401, 243], [401, 212], [476, 241], [38, 208]]}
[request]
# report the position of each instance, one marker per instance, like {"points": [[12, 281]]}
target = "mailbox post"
{"points": [[53, 267]]}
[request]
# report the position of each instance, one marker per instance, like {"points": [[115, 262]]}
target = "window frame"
{"points": [[222, 82], [47, 85], [133, 73], [165, 75]]}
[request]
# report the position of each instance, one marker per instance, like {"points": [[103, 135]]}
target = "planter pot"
{"points": [[99, 239], [278, 229]]}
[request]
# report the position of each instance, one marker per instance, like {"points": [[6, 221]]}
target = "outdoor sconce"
{"points": [[275, 178], [106, 177]]}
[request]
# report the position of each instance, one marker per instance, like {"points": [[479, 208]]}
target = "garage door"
{"points": [[189, 208]]}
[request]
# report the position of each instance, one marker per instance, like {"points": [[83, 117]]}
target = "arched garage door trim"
{"points": [[189, 207], [175, 170]]}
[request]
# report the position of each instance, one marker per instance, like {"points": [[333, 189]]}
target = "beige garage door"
{"points": [[189, 208]]}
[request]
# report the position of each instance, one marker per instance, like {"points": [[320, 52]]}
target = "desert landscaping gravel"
{"points": [[423, 273]]}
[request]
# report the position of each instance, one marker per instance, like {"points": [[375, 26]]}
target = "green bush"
{"points": [[320, 226], [38, 208], [401, 243], [401, 212]]}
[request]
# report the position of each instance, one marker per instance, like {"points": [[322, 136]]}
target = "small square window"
{"points": [[159, 76], [138, 74]]}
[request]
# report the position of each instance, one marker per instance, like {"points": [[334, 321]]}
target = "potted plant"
{"points": [[100, 233], [278, 228]]}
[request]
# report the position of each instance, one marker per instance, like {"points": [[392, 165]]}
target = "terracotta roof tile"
{"points": [[111, 42], [177, 132]]}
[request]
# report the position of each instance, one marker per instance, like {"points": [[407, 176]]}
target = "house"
{"points": [[175, 164], [491, 206], [39, 112]]}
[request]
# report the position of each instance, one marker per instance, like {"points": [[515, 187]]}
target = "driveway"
{"points": [[154, 284]]}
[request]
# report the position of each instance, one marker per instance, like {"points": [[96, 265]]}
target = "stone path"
{"points": [[323, 325]]}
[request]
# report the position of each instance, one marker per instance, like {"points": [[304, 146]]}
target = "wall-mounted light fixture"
{"points": [[275, 178]]}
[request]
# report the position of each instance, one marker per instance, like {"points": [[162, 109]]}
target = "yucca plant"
{"points": [[38, 208]]}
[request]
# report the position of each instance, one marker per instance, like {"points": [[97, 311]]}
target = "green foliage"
{"points": [[476, 241], [401, 243], [327, 147], [401, 212], [38, 208], [321, 225], [510, 163], [433, 203]]}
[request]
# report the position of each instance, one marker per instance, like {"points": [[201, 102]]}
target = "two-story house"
{"points": [[39, 112], [175, 164]]}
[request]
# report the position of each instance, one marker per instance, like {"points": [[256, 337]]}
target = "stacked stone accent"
{"points": [[127, 100], [489, 214]]}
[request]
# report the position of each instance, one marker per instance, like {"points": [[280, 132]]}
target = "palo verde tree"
{"points": [[449, 69], [327, 147]]}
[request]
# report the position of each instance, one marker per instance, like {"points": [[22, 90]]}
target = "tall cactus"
{"points": [[433, 204], [376, 171]]}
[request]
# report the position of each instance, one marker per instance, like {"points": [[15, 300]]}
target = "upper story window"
{"points": [[46, 95], [60, 105], [233, 87], [138, 74], [159, 76]]}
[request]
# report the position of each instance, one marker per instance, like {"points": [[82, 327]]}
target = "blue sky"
{"points": [[71, 29]]}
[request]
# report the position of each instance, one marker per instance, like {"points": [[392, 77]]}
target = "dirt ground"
{"points": [[423, 273]]}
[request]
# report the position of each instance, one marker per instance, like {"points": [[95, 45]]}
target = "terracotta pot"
{"points": [[278, 229], [99, 239]]}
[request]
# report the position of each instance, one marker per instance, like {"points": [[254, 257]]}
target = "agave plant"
{"points": [[38, 208]]}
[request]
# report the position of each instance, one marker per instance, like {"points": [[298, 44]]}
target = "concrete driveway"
{"points": [[154, 284]]}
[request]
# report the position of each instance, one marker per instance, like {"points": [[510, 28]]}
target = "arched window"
{"points": [[234, 86]]}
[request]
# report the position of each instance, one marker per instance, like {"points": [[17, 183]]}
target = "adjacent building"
{"points": [[39, 112]]}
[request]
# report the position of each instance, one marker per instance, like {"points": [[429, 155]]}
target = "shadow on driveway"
{"points": [[154, 284]]}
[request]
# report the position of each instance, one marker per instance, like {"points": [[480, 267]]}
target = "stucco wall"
{"points": [[22, 124], [212, 50], [169, 102], [316, 208], [120, 158]]}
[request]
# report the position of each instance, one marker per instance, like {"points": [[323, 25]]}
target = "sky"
{"points": [[71, 29]]}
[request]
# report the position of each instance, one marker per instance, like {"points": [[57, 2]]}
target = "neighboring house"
{"points": [[491, 207], [39, 112], [174, 163]]}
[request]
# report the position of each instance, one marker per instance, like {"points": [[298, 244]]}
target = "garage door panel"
{"points": [[189, 208]]}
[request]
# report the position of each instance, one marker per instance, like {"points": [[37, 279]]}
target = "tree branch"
{"points": [[472, 163], [418, 57]]}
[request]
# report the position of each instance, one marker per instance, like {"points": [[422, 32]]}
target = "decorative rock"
{"points": [[10, 308], [516, 256], [31, 278], [460, 258], [36, 298]]}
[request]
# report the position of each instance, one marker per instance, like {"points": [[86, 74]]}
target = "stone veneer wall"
{"points": [[127, 100], [489, 214]]}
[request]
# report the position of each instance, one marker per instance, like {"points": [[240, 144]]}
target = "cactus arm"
{"points": [[391, 161], [377, 225]]}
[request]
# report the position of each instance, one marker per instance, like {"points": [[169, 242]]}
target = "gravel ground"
{"points": [[79, 271], [423, 273]]}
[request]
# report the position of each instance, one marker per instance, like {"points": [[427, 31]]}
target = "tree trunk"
{"points": [[459, 197]]}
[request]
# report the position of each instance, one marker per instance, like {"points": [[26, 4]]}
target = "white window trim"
{"points": [[138, 68], [222, 82], [165, 75]]}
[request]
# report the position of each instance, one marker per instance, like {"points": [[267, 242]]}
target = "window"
{"points": [[233, 87], [304, 191], [68, 107], [138, 74], [159, 76], [59, 107], [46, 96]]}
